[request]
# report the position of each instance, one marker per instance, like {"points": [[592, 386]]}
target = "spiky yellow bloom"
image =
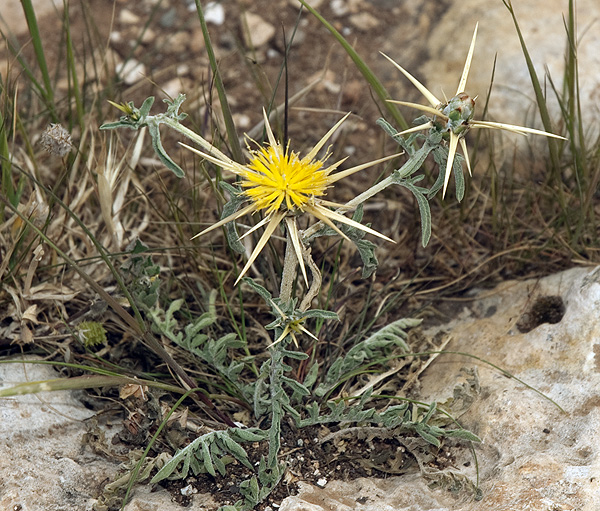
{"points": [[276, 178], [281, 184], [455, 116], [292, 327]]}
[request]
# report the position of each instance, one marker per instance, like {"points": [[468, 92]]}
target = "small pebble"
{"points": [[131, 71], [364, 21], [188, 490], [242, 121], [128, 18], [148, 36], [339, 7], [214, 13], [167, 20], [259, 32]]}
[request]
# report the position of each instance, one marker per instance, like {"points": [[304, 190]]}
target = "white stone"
{"points": [[364, 21], [173, 87], [257, 31], [149, 36], [115, 37], [242, 121], [214, 13], [129, 18], [131, 71], [339, 7]]}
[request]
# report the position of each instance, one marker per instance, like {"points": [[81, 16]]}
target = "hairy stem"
{"points": [[289, 271]]}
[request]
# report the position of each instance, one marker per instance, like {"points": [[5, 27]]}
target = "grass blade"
{"points": [[47, 91], [234, 143], [540, 99]]}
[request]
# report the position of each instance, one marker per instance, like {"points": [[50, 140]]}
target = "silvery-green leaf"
{"points": [[160, 150], [146, 106]]}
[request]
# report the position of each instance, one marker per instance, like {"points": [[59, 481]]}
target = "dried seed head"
{"points": [[56, 140]]}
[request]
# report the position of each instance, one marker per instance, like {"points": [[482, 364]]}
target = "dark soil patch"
{"points": [[310, 459]]}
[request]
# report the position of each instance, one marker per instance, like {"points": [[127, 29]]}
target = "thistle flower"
{"points": [[280, 183], [292, 325], [455, 116]]}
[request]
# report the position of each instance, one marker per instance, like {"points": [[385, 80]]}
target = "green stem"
{"points": [[354, 203], [177, 126]]}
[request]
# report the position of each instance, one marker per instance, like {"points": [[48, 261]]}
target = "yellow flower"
{"points": [[292, 327], [281, 184], [457, 114]]}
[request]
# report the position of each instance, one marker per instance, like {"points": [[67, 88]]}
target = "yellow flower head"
{"points": [[455, 116], [275, 178], [282, 184]]}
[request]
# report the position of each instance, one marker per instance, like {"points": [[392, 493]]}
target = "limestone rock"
{"points": [[257, 31], [533, 455], [42, 462]]}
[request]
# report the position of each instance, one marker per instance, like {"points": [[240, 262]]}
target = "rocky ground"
{"points": [[533, 456]]}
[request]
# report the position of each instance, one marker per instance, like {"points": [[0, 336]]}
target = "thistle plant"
{"points": [[278, 183], [282, 185], [290, 191]]}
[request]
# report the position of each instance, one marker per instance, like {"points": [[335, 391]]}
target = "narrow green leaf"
{"points": [[427, 436], [424, 211], [154, 131], [462, 434]]}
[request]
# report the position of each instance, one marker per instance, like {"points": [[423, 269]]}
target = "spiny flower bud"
{"points": [[459, 111]]}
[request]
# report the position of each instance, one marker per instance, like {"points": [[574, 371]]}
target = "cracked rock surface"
{"points": [[43, 464]]}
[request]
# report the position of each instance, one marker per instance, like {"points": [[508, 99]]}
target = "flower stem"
{"points": [[289, 271]]}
